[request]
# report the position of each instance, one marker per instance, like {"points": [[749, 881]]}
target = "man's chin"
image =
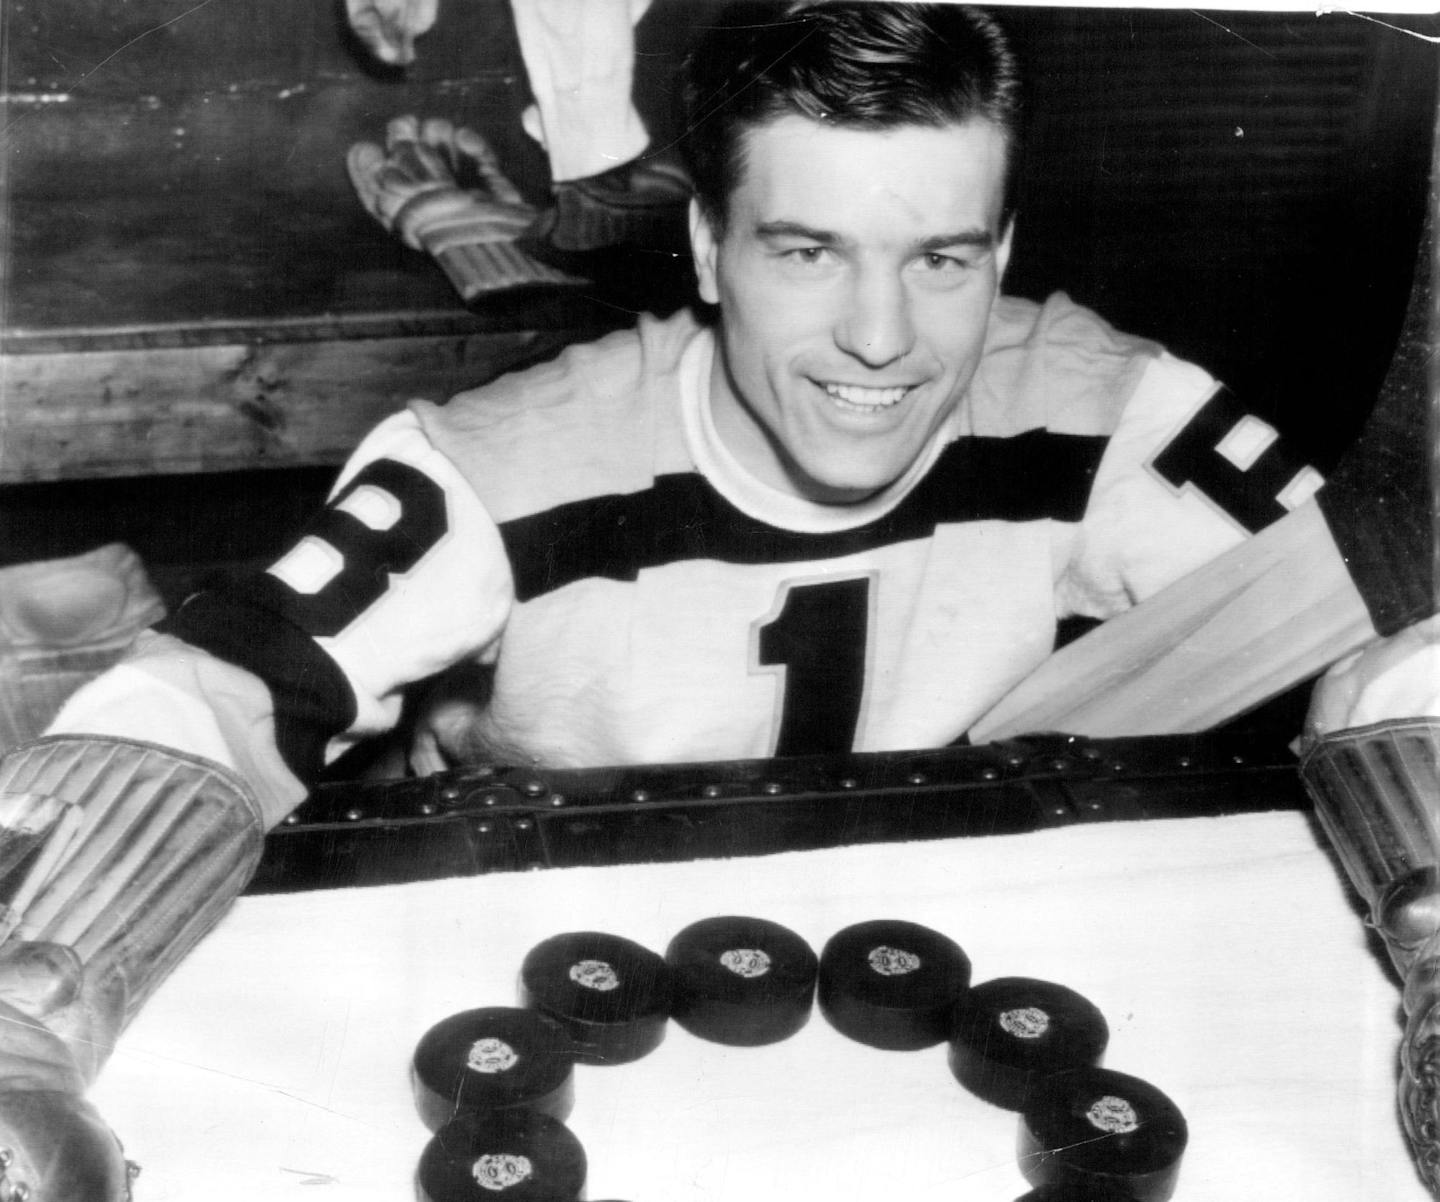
{"points": [[843, 488], [847, 467]]}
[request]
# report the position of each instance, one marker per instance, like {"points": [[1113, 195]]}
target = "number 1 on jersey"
{"points": [[819, 637]]}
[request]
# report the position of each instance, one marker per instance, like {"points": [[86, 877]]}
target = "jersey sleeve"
{"points": [[1187, 474], [401, 575]]}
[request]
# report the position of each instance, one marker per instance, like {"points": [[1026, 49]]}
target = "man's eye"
{"points": [[944, 263], [806, 254]]}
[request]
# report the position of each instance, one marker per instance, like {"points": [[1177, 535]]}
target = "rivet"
{"points": [[488, 799], [1014, 760], [849, 783], [290, 820], [450, 793], [1237, 759], [557, 800], [1059, 765], [711, 791], [640, 795], [1185, 761], [917, 778], [483, 828], [353, 815], [534, 787], [989, 774], [427, 808], [524, 824]]}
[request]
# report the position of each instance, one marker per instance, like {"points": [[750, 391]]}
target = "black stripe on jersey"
{"points": [[1032, 476], [313, 700]]}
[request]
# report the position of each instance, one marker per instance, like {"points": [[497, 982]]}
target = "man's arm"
{"points": [[127, 830], [1357, 562]]}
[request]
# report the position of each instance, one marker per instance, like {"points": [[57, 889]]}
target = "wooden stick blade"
{"points": [[1263, 617]]}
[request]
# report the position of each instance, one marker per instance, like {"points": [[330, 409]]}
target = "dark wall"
{"points": [[1245, 187]]}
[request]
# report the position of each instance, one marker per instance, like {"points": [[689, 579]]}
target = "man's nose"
{"points": [[876, 325]]}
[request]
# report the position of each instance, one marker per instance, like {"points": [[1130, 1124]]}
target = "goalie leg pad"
{"points": [[1420, 1063], [115, 858], [144, 852], [1377, 794], [54, 1147]]}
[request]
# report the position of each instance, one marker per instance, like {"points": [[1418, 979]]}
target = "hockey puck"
{"points": [[493, 1059], [1092, 1192], [892, 984], [518, 1155], [741, 981], [1012, 1032], [612, 996], [1093, 1127]]}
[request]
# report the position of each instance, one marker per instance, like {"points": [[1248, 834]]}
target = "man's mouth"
{"points": [[863, 399]]}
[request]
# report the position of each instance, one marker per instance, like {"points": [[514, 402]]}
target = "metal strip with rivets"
{"points": [[495, 818]]}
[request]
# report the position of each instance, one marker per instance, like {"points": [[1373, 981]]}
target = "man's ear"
{"points": [[1002, 253], [705, 247]]}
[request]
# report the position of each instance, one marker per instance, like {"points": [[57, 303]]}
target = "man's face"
{"points": [[854, 277]]}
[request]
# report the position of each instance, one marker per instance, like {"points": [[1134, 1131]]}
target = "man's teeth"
{"points": [[869, 398]]}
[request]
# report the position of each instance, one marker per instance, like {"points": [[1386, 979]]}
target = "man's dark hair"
{"points": [[865, 65]]}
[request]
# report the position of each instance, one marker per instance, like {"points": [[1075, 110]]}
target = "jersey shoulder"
{"points": [[600, 417], [1059, 366]]}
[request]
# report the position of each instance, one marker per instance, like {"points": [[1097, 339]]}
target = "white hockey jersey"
{"points": [[582, 573]]}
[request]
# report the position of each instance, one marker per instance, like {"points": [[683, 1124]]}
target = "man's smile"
{"points": [[864, 398]]}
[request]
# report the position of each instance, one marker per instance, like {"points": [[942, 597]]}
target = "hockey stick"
{"points": [[1265, 616]]}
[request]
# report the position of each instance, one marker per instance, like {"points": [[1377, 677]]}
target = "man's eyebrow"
{"points": [[773, 230], [982, 239], [778, 230]]}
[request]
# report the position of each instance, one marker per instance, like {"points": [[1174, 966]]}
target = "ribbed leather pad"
{"points": [[145, 851]]}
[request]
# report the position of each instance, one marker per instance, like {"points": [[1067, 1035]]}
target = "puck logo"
{"points": [[747, 962], [1114, 1116], [496, 1171], [491, 1055], [595, 974], [892, 961], [1026, 1022]]}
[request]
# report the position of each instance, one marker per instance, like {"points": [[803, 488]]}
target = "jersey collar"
{"points": [[753, 496]]}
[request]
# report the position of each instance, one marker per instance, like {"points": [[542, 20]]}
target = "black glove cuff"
{"points": [[1380, 501]]}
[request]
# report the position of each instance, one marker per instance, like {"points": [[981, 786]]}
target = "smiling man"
{"points": [[855, 270], [843, 510]]}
